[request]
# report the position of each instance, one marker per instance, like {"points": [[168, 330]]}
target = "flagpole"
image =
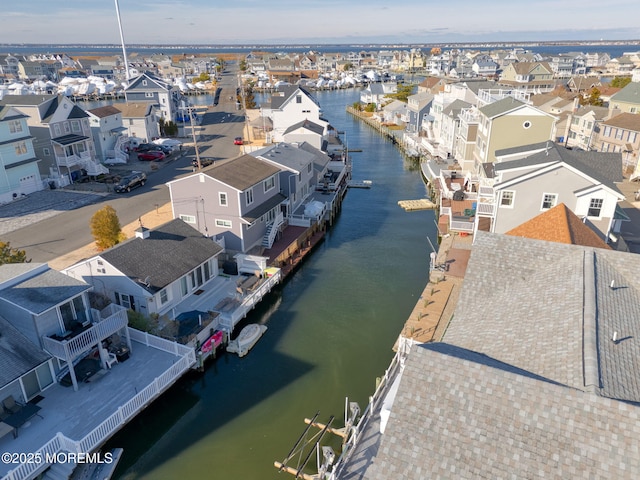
{"points": [[124, 50]]}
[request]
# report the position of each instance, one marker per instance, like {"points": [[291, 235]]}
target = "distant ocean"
{"points": [[614, 50]]}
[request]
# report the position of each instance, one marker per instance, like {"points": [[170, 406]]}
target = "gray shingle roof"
{"points": [[501, 107], [287, 91], [242, 172], [308, 124], [629, 94], [171, 251], [602, 167], [460, 414], [43, 291], [18, 355], [548, 308]]}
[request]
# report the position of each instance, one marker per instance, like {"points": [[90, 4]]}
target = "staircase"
{"points": [[59, 471], [272, 230], [93, 168], [119, 153]]}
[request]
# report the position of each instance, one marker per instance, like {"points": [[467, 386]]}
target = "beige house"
{"points": [[627, 99], [510, 123], [621, 134], [534, 77], [139, 119]]}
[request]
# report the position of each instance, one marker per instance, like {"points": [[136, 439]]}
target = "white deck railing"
{"points": [[69, 350], [352, 442], [114, 422], [229, 320], [486, 209], [460, 226]]}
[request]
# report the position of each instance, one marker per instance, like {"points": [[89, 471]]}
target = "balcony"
{"points": [[105, 323]]}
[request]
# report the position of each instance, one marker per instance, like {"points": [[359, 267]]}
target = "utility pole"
{"points": [[124, 50], [193, 133]]}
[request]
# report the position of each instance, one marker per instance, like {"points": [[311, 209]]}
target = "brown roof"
{"points": [[627, 121], [105, 111], [561, 225], [524, 68], [133, 110]]}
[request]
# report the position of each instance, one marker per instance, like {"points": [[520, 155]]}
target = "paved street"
{"points": [[52, 223]]}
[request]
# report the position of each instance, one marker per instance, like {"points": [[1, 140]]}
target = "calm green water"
{"points": [[332, 326]]}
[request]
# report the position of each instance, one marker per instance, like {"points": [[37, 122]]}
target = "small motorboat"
{"points": [[246, 339]]}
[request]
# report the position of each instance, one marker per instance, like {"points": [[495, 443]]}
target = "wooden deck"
{"points": [[75, 414]]}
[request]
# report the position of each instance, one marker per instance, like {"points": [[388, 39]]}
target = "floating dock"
{"points": [[360, 184], [412, 205]]}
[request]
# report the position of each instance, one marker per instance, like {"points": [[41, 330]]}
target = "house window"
{"points": [[75, 126], [607, 132], [595, 207], [15, 126], [298, 98], [506, 198], [21, 148], [148, 94], [56, 130], [188, 218], [223, 199], [144, 83], [269, 183], [184, 289], [164, 297], [223, 223], [526, 124], [249, 196], [67, 128], [632, 137], [619, 133], [125, 300], [549, 200]]}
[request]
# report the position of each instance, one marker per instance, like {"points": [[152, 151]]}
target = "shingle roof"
{"points": [[548, 308], [242, 172], [307, 124], [460, 414], [629, 94], [43, 291], [602, 167], [285, 92], [559, 224], [134, 109], [18, 355], [454, 108], [171, 251], [105, 111], [626, 121], [501, 107]]}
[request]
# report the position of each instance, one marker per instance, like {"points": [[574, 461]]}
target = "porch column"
{"points": [[72, 372], [128, 338]]}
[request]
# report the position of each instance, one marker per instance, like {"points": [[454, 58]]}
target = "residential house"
{"points": [[61, 133], [449, 127], [150, 89], [139, 119], [596, 60], [432, 85], [514, 191], [237, 200], [297, 175], [621, 134], [526, 400], [154, 271], [582, 83], [484, 66], [289, 106], [583, 126], [620, 66], [509, 123], [376, 93], [418, 105], [9, 67], [627, 99], [565, 65], [534, 77], [393, 113], [17, 158], [559, 104], [107, 132], [306, 131], [467, 133]]}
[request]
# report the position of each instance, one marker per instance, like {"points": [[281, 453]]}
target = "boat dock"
{"points": [[413, 205], [360, 184]]}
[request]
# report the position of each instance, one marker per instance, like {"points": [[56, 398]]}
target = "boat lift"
{"points": [[352, 410]]}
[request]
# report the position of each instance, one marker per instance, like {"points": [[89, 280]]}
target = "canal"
{"points": [[331, 328]]}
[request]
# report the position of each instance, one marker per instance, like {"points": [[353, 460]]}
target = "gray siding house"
{"points": [[149, 88], [238, 200]]}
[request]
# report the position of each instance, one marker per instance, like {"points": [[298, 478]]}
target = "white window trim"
{"points": [[188, 218], [223, 223], [555, 201], [221, 196], [513, 199], [601, 207]]}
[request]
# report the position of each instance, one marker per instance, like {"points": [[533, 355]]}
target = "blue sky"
{"points": [[316, 21]]}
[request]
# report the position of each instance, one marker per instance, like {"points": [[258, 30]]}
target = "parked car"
{"points": [[238, 141], [204, 162], [145, 147], [151, 155], [132, 180]]}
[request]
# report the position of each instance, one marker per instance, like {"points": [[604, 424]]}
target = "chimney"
{"points": [[142, 232]]}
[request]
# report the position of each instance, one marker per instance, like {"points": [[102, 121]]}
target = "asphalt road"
{"points": [[68, 231]]}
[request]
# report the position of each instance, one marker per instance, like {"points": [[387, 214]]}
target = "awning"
{"points": [[256, 213], [22, 162], [620, 214], [119, 129], [69, 139]]}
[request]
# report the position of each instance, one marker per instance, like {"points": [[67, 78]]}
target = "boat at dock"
{"points": [[360, 184], [246, 339]]}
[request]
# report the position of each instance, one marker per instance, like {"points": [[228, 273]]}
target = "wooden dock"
{"points": [[413, 205]]}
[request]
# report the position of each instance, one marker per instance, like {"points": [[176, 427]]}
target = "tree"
{"points": [[593, 98], [620, 82], [12, 255], [402, 92], [203, 77], [105, 228]]}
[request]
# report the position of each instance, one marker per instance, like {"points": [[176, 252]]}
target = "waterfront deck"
{"points": [[76, 414]]}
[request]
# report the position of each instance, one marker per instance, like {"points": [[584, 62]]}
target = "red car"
{"points": [[238, 141], [151, 155]]}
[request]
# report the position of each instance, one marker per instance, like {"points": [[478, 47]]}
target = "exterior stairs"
{"points": [[272, 230]]}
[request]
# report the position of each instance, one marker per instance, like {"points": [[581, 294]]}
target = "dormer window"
{"points": [[144, 83]]}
